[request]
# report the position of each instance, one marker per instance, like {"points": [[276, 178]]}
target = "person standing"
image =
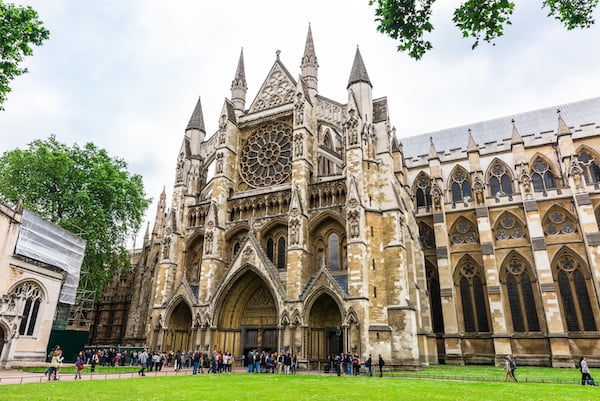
{"points": [[143, 360], [381, 363], [79, 365], [369, 364]]}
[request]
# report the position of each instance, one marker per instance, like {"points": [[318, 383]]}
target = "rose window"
{"points": [[266, 156]]}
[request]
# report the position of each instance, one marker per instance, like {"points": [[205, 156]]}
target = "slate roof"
{"points": [[530, 123]]}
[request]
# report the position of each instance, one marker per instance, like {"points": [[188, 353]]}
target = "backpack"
{"points": [[513, 365]]}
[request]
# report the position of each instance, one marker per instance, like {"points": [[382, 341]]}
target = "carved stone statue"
{"points": [[353, 220], [222, 129], [351, 126], [219, 163], [299, 109], [298, 144]]}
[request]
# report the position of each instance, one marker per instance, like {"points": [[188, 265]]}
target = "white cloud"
{"points": [[126, 74]]}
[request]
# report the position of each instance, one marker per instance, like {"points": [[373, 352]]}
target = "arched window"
{"points": [[542, 176], [271, 250], [574, 288], [509, 227], [435, 299], [558, 221], [423, 191], [32, 297], [521, 299], [500, 180], [281, 253], [591, 171], [463, 232], [333, 247], [460, 185], [473, 297], [426, 235]]}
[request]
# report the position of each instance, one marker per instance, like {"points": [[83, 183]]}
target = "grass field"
{"points": [[229, 387]]}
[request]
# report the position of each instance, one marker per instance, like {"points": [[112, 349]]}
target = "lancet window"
{"points": [[519, 282], [473, 296], [542, 176]]}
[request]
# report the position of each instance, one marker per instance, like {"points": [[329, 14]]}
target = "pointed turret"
{"points": [[195, 130], [516, 135], [563, 129], [359, 71], [160, 214], [239, 86], [472, 145], [147, 233], [432, 152], [309, 64]]}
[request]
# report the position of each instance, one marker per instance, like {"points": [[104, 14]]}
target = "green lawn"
{"points": [[229, 387]]}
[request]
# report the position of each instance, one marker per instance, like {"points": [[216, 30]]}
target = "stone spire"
{"points": [[516, 136], [563, 129], [472, 146], [160, 214], [239, 86], [197, 118], [147, 233], [309, 64], [359, 71], [432, 152]]}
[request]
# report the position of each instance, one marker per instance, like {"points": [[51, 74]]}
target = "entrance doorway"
{"points": [[248, 318], [179, 327], [325, 320]]}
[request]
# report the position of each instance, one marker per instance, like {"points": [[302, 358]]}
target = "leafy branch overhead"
{"points": [[408, 21], [20, 29]]}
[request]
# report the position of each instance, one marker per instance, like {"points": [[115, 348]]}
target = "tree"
{"points": [[83, 190], [20, 29], [408, 21]]}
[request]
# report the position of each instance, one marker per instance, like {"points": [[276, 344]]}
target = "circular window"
{"points": [[266, 156]]}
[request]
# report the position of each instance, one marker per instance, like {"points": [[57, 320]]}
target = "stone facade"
{"points": [[303, 224]]}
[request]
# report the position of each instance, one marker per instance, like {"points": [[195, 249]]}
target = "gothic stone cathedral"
{"points": [[303, 224]]}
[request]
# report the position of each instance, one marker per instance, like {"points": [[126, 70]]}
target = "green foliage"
{"points": [[83, 190], [572, 13], [409, 20], [20, 29], [475, 18]]}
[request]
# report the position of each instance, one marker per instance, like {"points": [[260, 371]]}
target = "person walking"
{"points": [[381, 363], [143, 360], [509, 367], [55, 364], [586, 378]]}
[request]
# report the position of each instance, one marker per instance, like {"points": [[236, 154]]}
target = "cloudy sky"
{"points": [[125, 74]]}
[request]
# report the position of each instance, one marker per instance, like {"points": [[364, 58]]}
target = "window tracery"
{"points": [[266, 156], [591, 171], [460, 185], [558, 221], [463, 232], [542, 176], [521, 299], [473, 296], [575, 290], [509, 227], [433, 285], [32, 295], [427, 236], [500, 180], [423, 191]]}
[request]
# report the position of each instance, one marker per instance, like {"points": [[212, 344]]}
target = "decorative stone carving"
{"points": [[208, 243], [222, 129], [298, 148], [576, 172], [354, 223], [299, 110], [219, 163], [295, 232], [180, 167], [436, 195], [478, 189], [525, 179], [167, 248], [351, 126]]}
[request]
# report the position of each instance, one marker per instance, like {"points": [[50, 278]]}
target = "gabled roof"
{"points": [[530, 123], [278, 88]]}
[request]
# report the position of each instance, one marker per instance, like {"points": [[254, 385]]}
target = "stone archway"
{"points": [[178, 329], [325, 328], [247, 317]]}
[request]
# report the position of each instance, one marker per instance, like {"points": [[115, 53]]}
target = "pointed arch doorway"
{"points": [[248, 317], [325, 328], [179, 327]]}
